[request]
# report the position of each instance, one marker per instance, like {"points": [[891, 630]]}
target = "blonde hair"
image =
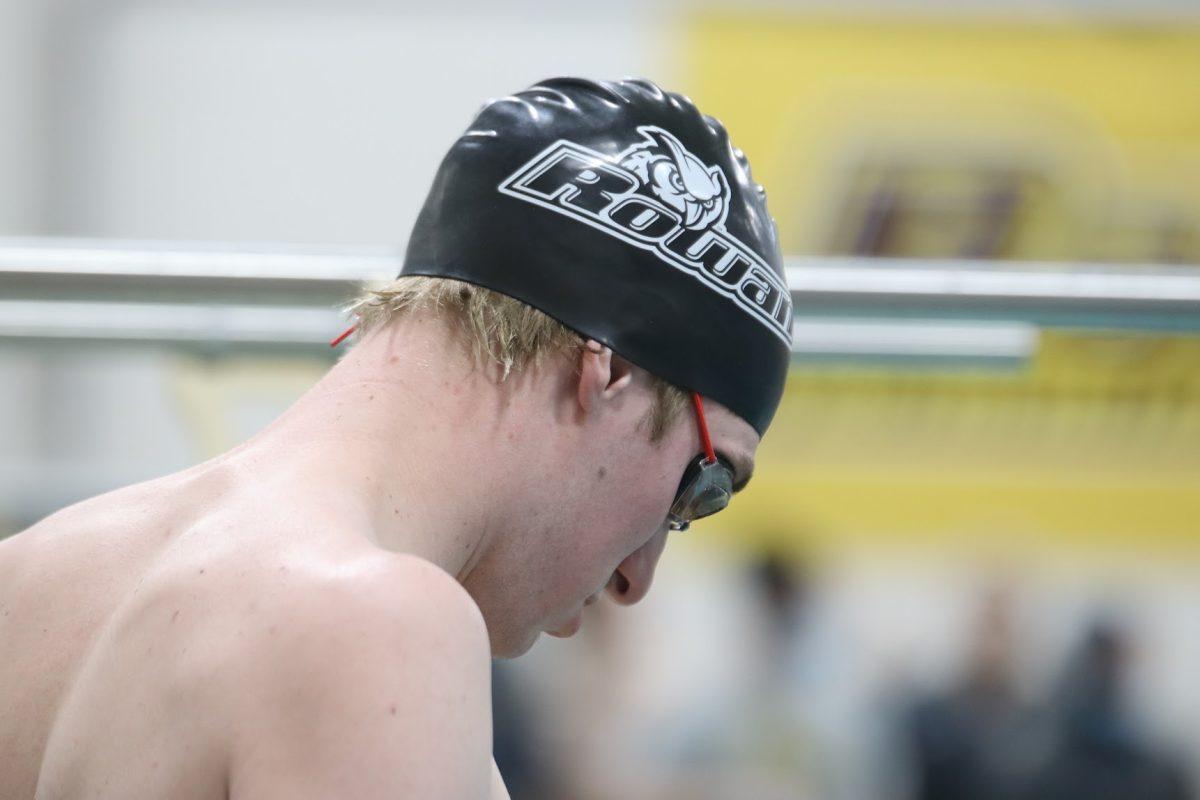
{"points": [[498, 329]]}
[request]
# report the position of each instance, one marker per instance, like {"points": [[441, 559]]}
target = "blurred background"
{"points": [[969, 564]]}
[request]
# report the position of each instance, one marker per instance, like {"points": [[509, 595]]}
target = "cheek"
{"points": [[628, 497], [622, 513], [640, 505]]}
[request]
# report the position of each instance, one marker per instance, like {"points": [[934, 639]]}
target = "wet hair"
{"points": [[498, 329]]}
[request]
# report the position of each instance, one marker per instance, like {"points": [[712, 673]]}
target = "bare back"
{"points": [[118, 617], [97, 671]]}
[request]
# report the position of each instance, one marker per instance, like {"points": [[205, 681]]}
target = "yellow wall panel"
{"points": [[1095, 444], [1106, 118]]}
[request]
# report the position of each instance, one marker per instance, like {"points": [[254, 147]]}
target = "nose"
{"points": [[631, 580]]}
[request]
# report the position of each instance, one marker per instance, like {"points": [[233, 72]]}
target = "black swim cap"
{"points": [[621, 211]]}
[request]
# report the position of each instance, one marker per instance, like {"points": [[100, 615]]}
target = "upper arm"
{"points": [[378, 692]]}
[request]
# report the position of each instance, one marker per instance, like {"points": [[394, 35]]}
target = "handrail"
{"points": [[250, 295]]}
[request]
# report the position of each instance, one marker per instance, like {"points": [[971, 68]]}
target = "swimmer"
{"points": [[586, 342]]}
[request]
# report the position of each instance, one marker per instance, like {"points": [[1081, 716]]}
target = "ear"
{"points": [[602, 375]]}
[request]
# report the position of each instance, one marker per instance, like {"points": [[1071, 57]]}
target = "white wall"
{"points": [[318, 122], [23, 94]]}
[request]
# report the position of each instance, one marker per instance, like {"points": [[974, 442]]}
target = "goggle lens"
{"points": [[706, 488]]}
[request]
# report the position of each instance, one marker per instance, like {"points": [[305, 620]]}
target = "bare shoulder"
{"points": [[407, 594], [371, 681], [397, 599]]}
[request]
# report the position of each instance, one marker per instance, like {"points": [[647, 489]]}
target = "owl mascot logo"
{"points": [[678, 179]]}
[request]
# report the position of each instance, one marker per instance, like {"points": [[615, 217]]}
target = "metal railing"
{"points": [[249, 296]]}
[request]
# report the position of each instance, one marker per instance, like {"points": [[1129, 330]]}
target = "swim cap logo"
{"points": [[659, 197], [679, 179]]}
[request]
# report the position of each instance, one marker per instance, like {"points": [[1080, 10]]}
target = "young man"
{"points": [[311, 615]]}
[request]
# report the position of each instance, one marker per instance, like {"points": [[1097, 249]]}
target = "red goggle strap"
{"points": [[709, 454], [343, 336]]}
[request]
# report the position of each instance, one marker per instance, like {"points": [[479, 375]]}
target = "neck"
{"points": [[392, 443]]}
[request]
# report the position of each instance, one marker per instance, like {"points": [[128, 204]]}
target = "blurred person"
{"points": [[773, 735], [773, 749], [587, 341], [1099, 752], [632, 707], [977, 741]]}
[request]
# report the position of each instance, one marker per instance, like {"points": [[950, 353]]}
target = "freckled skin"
{"points": [[382, 535]]}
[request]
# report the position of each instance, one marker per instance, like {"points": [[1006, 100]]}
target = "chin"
{"points": [[513, 645]]}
